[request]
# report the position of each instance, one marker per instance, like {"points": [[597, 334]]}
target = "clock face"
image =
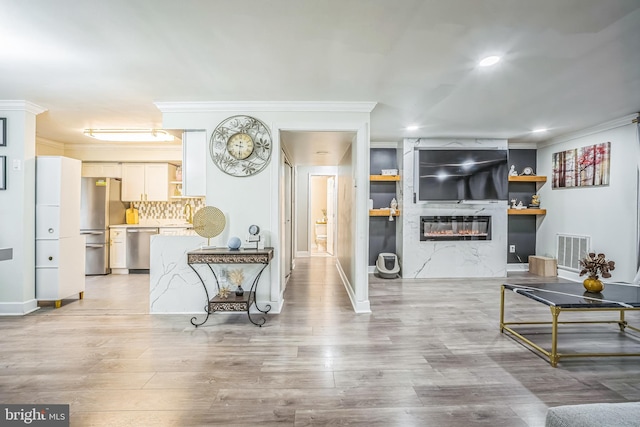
{"points": [[254, 229], [527, 171], [241, 146]]}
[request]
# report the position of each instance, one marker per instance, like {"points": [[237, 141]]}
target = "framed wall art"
{"points": [[581, 167], [3, 132], [3, 172]]}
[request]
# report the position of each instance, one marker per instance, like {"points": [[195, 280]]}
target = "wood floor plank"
{"points": [[429, 354]]}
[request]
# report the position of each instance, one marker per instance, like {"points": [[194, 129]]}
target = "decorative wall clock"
{"points": [[241, 146]]}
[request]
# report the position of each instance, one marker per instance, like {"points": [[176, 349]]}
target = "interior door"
{"points": [[288, 214], [331, 213]]}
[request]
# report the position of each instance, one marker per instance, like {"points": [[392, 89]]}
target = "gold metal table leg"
{"points": [[81, 295], [622, 323], [553, 357], [502, 309], [58, 303]]}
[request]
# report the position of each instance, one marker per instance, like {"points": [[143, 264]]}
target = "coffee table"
{"points": [[572, 297]]}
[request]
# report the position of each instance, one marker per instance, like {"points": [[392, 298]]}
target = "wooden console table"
{"points": [[227, 256]]}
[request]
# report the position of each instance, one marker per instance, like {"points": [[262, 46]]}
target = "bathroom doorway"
{"points": [[322, 214]]}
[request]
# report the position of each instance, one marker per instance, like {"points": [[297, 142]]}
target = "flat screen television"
{"points": [[461, 175]]}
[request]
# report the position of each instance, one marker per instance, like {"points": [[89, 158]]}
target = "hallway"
{"points": [[430, 354]]}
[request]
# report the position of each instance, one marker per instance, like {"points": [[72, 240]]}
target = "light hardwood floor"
{"points": [[430, 354]]}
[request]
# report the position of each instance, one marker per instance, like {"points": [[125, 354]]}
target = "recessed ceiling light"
{"points": [[412, 127], [540, 130], [489, 61], [130, 135]]}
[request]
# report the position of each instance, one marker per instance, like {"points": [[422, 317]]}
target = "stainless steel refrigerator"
{"points": [[100, 207]]}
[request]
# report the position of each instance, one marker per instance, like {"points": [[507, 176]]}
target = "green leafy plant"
{"points": [[593, 265]]}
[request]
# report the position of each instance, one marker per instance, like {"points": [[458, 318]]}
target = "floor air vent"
{"points": [[570, 250]]}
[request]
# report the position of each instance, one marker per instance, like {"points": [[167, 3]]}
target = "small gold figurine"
{"points": [[224, 292]]}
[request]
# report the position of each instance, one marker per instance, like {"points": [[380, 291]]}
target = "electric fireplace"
{"points": [[447, 228]]}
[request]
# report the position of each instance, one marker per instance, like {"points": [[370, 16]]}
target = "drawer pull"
{"points": [[50, 230], [50, 258]]}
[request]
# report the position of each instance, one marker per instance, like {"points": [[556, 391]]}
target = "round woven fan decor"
{"points": [[209, 222]]}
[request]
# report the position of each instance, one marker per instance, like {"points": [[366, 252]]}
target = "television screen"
{"points": [[461, 174]]}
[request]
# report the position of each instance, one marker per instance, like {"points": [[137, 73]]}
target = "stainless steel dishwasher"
{"points": [[139, 247]]}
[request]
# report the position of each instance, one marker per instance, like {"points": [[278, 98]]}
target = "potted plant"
{"points": [[594, 265]]}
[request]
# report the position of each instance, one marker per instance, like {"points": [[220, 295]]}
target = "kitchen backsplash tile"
{"points": [[167, 210]]}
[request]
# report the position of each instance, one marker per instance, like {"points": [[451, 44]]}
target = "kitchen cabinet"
{"points": [[60, 249], [101, 170], [118, 250], [147, 182]]}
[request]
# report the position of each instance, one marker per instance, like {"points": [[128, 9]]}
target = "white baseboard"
{"points": [[371, 269], [518, 267], [302, 254], [358, 307], [18, 308]]}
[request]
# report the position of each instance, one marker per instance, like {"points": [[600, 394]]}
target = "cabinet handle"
{"points": [[50, 258], [50, 230]]}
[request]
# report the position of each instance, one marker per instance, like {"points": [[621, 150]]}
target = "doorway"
{"points": [[322, 207]]}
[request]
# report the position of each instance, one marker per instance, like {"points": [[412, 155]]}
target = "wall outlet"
{"points": [[512, 249]]}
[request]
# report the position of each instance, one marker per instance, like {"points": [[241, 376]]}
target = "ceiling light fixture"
{"points": [[489, 61], [540, 130], [130, 135], [412, 127]]}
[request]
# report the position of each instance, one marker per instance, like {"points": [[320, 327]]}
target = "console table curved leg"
{"points": [[206, 308], [254, 285]]}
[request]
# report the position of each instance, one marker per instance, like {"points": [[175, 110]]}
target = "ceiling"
{"points": [[566, 64]]}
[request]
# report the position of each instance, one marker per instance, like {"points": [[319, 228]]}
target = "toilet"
{"points": [[321, 236]]}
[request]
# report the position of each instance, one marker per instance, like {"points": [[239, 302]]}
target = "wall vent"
{"points": [[571, 249]]}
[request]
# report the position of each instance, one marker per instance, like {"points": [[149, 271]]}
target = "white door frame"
{"points": [[310, 220]]}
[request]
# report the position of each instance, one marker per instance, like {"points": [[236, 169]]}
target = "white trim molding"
{"points": [[363, 307], [612, 124], [21, 105], [18, 308], [262, 106]]}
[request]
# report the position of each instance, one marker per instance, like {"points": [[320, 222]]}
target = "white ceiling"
{"points": [[567, 64]]}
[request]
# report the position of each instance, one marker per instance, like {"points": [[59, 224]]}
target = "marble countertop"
{"points": [[155, 224]]}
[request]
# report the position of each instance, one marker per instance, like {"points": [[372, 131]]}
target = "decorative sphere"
{"points": [[234, 243]]}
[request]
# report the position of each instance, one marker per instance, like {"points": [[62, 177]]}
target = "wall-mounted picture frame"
{"points": [[3, 172], [582, 167], [3, 132]]}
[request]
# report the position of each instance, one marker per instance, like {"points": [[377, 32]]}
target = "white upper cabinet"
{"points": [[148, 182]]}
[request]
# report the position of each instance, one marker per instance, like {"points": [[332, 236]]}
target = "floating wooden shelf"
{"points": [[382, 212], [528, 178], [527, 211], [384, 177]]}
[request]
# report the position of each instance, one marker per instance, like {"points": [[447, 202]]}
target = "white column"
{"points": [[17, 208]]}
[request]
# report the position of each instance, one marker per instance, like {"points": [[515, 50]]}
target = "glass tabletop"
{"points": [[574, 295]]}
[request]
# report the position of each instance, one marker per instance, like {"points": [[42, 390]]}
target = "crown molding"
{"points": [[21, 105], [260, 106], [602, 127], [49, 143]]}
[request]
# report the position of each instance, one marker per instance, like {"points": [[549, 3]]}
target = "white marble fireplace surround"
{"points": [[441, 259]]}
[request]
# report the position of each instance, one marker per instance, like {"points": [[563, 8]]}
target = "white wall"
{"points": [[255, 200], [608, 214], [17, 208]]}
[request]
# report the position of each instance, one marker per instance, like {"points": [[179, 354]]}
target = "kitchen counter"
{"points": [[154, 225]]}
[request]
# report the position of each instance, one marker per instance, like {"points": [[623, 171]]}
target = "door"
{"points": [[157, 182], [288, 214], [133, 182], [331, 213]]}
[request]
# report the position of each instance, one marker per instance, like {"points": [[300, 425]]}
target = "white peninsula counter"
{"points": [[176, 288]]}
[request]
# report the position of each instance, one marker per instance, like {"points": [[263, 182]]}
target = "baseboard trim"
{"points": [[302, 254], [18, 308], [518, 267], [358, 307]]}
